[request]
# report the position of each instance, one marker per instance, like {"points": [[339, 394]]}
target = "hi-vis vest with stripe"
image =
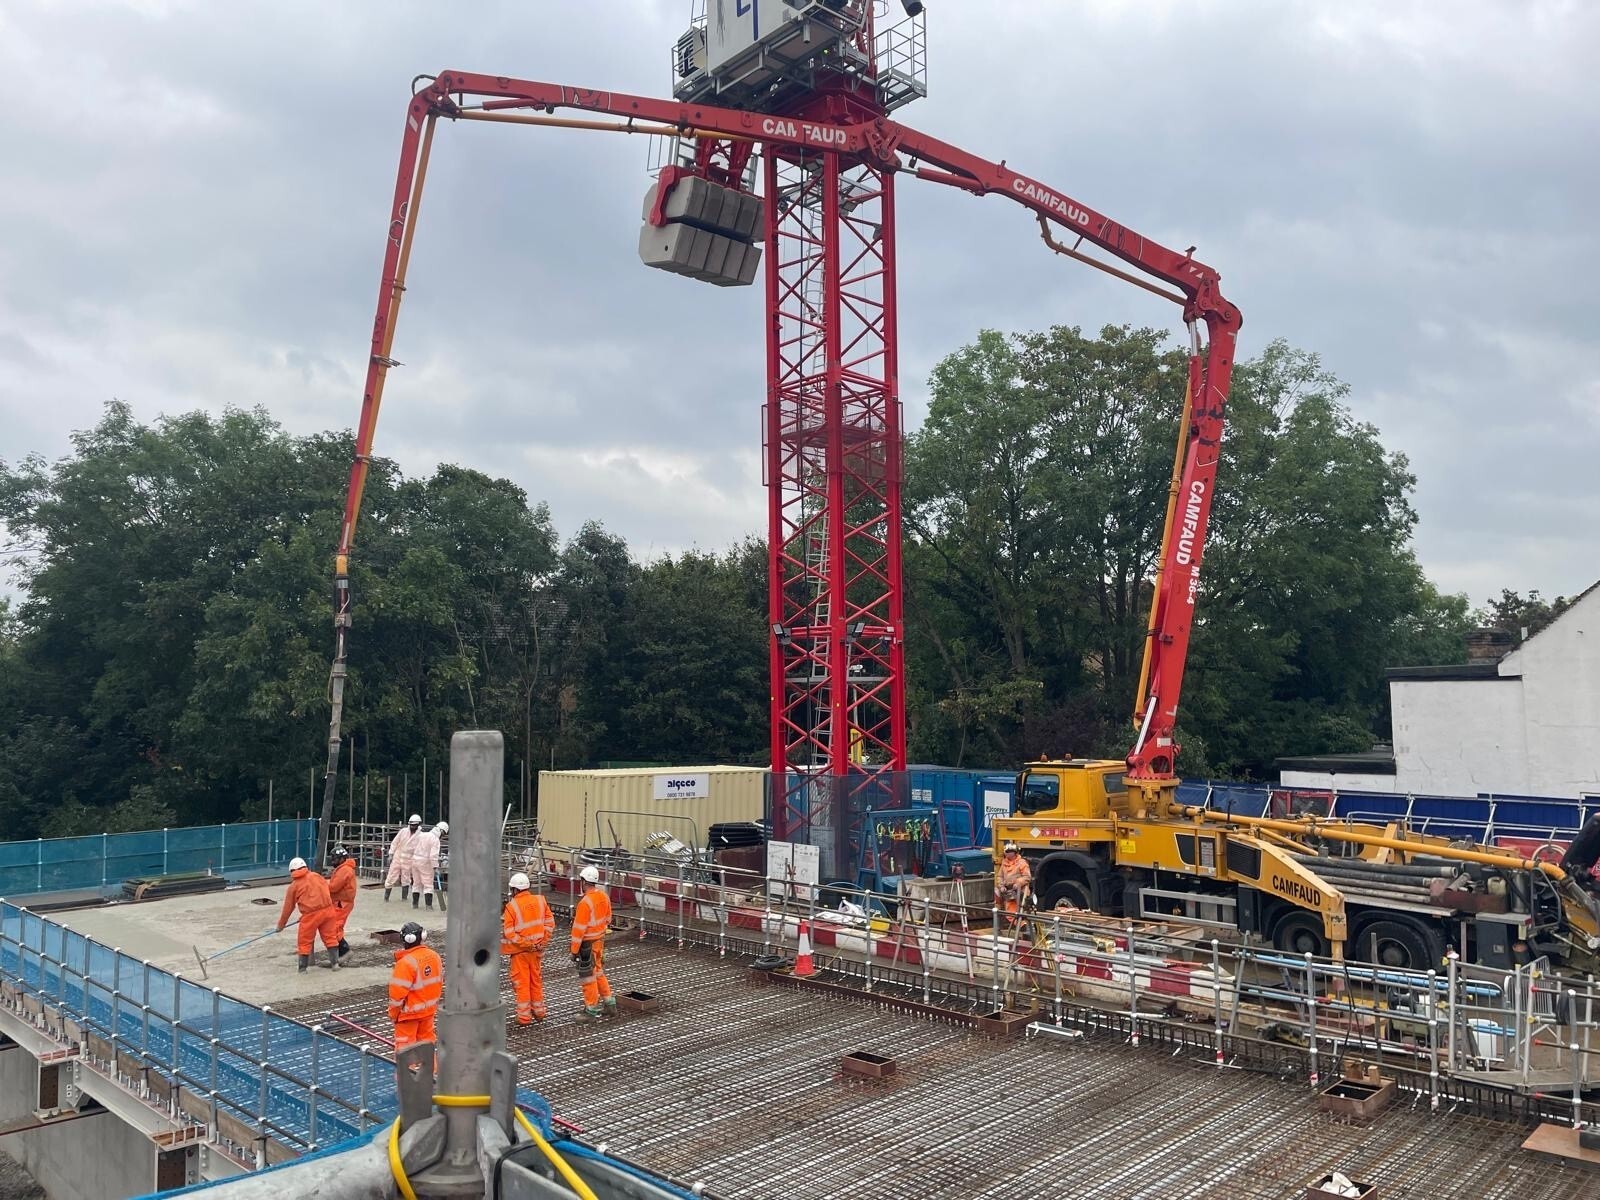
{"points": [[590, 918], [527, 923], [417, 985]]}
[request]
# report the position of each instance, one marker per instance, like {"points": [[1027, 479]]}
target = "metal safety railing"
{"points": [[369, 843], [102, 862], [1455, 1034], [263, 1087]]}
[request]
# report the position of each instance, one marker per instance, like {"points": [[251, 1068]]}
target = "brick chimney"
{"points": [[1488, 645]]}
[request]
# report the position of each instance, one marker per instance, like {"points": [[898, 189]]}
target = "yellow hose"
{"points": [[560, 1164], [397, 1167]]}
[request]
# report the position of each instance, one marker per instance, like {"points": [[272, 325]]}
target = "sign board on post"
{"points": [[689, 786], [995, 804], [793, 868]]}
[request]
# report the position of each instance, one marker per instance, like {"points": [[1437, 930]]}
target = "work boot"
{"points": [[610, 1005], [344, 947], [428, 900], [405, 890], [333, 957], [305, 962], [386, 892], [588, 1016], [416, 896]]}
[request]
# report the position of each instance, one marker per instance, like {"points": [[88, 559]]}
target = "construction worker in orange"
{"points": [[1012, 882], [342, 890], [415, 988], [528, 925], [308, 892], [590, 920]]}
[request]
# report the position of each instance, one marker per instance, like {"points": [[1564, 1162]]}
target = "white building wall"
{"points": [[1459, 737], [1560, 669]]}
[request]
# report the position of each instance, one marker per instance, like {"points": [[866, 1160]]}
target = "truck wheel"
{"points": [[1298, 932], [1073, 891], [1397, 943]]}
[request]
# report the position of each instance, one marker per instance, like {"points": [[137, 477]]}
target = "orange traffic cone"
{"points": [[802, 953]]}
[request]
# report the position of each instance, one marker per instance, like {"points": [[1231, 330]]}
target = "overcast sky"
{"points": [[195, 204]]}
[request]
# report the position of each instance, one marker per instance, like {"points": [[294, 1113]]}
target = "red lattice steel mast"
{"points": [[832, 422], [832, 428]]}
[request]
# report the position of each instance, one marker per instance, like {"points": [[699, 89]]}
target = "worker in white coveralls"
{"points": [[400, 851], [425, 863]]}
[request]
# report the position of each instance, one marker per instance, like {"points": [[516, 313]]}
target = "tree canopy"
{"points": [[168, 652]]}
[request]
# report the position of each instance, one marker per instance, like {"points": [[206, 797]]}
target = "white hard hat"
{"points": [[589, 874], [415, 820], [442, 827], [519, 882], [1011, 846], [297, 864]]}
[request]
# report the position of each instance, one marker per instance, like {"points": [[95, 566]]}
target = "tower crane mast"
{"points": [[811, 98]]}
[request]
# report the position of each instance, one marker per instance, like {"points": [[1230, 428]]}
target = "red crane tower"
{"points": [[796, 97]]}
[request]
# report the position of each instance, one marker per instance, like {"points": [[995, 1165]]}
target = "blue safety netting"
{"points": [[261, 1064], [101, 862]]}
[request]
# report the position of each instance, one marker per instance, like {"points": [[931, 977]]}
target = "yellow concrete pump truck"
{"points": [[1111, 836]]}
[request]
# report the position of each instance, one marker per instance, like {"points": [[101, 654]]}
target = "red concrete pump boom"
{"points": [[889, 146]]}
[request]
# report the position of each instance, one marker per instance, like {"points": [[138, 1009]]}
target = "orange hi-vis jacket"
{"points": [[1011, 879], [417, 985], [528, 924], [342, 887], [308, 891], [591, 918]]}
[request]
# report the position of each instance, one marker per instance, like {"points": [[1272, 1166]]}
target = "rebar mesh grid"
{"points": [[740, 1086]]}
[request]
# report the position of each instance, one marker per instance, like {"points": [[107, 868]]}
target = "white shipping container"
{"points": [[623, 807]]}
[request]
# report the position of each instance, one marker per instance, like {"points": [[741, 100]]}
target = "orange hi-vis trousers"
{"points": [[527, 981], [323, 921], [595, 985]]}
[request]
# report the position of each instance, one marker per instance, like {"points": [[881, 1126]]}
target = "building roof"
{"points": [[1566, 613], [1452, 671], [1370, 762]]}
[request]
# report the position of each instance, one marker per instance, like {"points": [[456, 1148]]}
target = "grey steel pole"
{"points": [[1311, 1014], [472, 1025]]}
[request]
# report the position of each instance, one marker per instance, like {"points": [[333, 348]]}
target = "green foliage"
{"points": [[1522, 617], [170, 653], [1037, 490]]}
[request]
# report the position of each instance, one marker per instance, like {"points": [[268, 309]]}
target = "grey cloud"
{"points": [[198, 201]]}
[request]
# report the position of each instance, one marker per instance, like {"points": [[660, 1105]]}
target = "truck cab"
{"points": [[1064, 813], [1073, 789]]}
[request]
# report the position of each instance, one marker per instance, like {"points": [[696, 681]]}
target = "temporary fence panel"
{"points": [[103, 861]]}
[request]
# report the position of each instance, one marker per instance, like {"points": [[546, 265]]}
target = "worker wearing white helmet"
{"points": [[425, 863], [527, 925], [1012, 880], [400, 850], [590, 920], [308, 892]]}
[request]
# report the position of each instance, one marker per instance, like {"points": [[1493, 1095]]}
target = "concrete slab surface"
{"points": [[167, 932]]}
